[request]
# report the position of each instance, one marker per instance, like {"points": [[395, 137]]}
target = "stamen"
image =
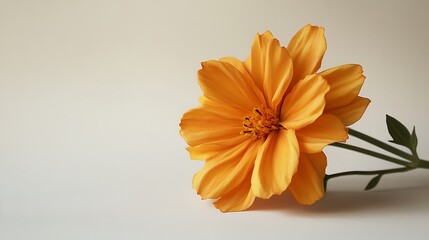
{"points": [[261, 123]]}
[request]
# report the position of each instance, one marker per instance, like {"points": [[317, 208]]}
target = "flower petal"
{"points": [[206, 151], [345, 82], [272, 66], [325, 130], [242, 68], [307, 183], [239, 199], [255, 62], [227, 170], [305, 103], [352, 112], [223, 83], [212, 124], [275, 164], [306, 48]]}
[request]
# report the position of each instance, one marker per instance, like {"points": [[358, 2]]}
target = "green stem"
{"points": [[375, 172], [423, 164], [415, 161], [380, 144], [371, 153], [416, 158]]}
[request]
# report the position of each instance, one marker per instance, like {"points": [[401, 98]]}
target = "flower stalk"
{"points": [[371, 153], [401, 136], [378, 143]]}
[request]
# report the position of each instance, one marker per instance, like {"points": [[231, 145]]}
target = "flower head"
{"points": [[263, 123]]}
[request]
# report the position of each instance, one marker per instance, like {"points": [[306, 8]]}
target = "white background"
{"points": [[92, 92]]}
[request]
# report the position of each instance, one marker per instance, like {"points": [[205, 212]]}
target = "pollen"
{"points": [[261, 123]]}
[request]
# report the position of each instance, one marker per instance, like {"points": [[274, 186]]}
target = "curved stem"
{"points": [[371, 153], [380, 144], [380, 173], [415, 161], [423, 164], [416, 158], [375, 172]]}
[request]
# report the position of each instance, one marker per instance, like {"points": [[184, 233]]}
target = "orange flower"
{"points": [[263, 123]]}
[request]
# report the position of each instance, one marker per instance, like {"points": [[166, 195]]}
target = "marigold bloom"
{"points": [[263, 123]]}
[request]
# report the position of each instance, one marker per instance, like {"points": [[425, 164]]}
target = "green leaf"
{"points": [[414, 140], [398, 132], [373, 183]]}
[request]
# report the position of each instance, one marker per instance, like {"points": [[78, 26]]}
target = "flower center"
{"points": [[260, 123]]}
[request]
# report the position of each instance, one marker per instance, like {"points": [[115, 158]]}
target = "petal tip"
{"points": [[267, 34]]}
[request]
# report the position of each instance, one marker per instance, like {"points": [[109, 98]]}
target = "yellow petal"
{"points": [[248, 65], [212, 125], [305, 103], [224, 110], [207, 151], [232, 154], [352, 112], [307, 48], [223, 83], [239, 199], [307, 183], [345, 82], [272, 66], [325, 130], [275, 164], [239, 65], [227, 170], [253, 63]]}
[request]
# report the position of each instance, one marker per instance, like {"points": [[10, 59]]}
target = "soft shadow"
{"points": [[337, 202]]}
